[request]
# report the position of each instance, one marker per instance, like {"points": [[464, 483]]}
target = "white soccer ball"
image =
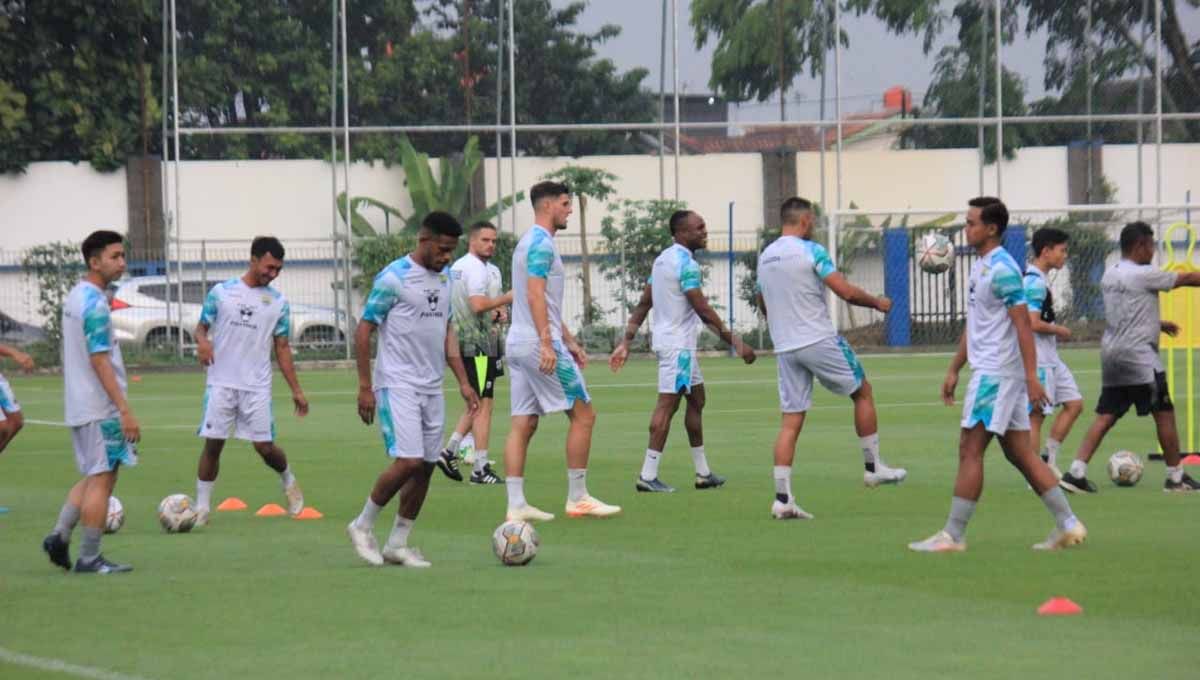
{"points": [[515, 543], [935, 253], [116, 516], [1125, 468], [177, 514]]}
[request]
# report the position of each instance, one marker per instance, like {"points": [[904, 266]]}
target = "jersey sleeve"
{"points": [[283, 326], [97, 326], [822, 263], [689, 274], [1035, 292], [208, 313], [539, 259], [382, 298], [1155, 279], [1007, 286]]}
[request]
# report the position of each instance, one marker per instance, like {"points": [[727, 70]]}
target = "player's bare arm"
{"points": [[102, 365], [1020, 318], [577, 351], [455, 362], [204, 346], [23, 360], [1038, 326], [621, 353], [711, 319], [1188, 279], [855, 295], [956, 363], [541, 322], [362, 351], [482, 303], [287, 366]]}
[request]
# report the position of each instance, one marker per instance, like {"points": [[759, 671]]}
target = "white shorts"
{"points": [[678, 371], [1059, 384], [534, 393], [100, 446], [250, 410], [410, 422], [1001, 404], [8, 401], [831, 361]]}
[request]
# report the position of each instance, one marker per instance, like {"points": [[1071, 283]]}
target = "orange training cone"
{"points": [[1059, 606], [309, 513], [270, 510], [232, 504], [1191, 460]]}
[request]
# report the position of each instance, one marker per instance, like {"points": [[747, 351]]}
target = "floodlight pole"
{"points": [[333, 159], [1158, 114], [346, 146], [177, 220], [500, 116], [836, 223], [512, 110], [167, 215], [675, 84], [999, 107]]}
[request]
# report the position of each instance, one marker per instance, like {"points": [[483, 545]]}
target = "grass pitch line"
{"points": [[59, 666]]}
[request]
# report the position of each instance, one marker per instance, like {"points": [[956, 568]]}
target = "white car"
{"points": [[139, 314]]}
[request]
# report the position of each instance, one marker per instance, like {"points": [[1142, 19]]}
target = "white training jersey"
{"points": [[411, 306], [471, 276], [675, 325], [1129, 346], [87, 330], [791, 278], [243, 323], [536, 256], [1037, 296], [996, 287]]}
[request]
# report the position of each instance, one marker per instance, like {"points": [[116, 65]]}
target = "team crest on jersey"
{"points": [[246, 312], [266, 300], [432, 296], [442, 278]]}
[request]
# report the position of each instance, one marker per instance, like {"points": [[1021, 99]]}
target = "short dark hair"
{"points": [[1133, 234], [264, 245], [480, 226], [547, 189], [792, 208], [1046, 237], [677, 219], [97, 241], [442, 224], [991, 211]]}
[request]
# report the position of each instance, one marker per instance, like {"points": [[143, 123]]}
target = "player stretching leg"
{"points": [[246, 317], [11, 420], [410, 305], [793, 273], [680, 306], [545, 361], [999, 345], [1131, 372], [479, 308], [103, 428], [1049, 254]]}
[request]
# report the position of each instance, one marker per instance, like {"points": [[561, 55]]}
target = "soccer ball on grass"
{"points": [[515, 543], [177, 514], [115, 518], [1125, 468]]}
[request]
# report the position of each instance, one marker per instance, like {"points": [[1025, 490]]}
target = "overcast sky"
{"points": [[875, 61]]}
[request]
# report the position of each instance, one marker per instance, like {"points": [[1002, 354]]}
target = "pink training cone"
{"points": [[1191, 460], [309, 513], [271, 510], [1059, 606], [232, 504]]}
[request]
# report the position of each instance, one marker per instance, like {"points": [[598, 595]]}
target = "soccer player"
{"points": [[545, 361], [1131, 372], [793, 273], [11, 420], [479, 308], [679, 307], [103, 427], [246, 317], [999, 344], [410, 306], [1049, 254]]}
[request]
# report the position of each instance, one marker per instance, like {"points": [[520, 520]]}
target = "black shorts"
{"points": [[1148, 398], [482, 371]]}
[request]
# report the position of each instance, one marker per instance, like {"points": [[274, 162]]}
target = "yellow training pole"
{"points": [[1187, 332]]}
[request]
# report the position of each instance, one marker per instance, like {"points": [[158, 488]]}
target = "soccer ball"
{"points": [[177, 514], [1125, 468], [515, 543], [935, 253], [116, 516]]}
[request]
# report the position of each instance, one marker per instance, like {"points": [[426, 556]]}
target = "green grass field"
{"points": [[691, 584]]}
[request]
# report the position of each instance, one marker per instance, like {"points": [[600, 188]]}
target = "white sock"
{"points": [[650, 464], [1175, 474], [516, 492], [870, 451], [366, 519], [481, 459], [783, 481], [700, 461], [1078, 469], [399, 536], [454, 441], [469, 440], [576, 483], [1052, 446], [204, 494], [287, 477]]}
